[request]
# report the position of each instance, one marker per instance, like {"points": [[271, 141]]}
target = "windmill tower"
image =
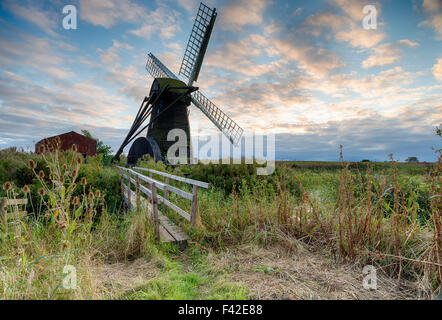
{"points": [[170, 97]]}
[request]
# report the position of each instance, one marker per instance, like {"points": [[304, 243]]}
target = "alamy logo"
{"points": [[370, 20], [70, 21], [215, 149], [369, 282], [70, 280]]}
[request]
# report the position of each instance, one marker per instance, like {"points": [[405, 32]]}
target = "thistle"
{"points": [[7, 186], [76, 201], [32, 164], [26, 189]]}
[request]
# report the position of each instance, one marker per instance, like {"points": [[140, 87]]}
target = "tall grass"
{"points": [[380, 217], [64, 229]]}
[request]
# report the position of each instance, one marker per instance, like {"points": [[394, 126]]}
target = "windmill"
{"points": [[169, 99]]}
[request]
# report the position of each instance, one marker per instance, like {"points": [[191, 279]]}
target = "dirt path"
{"points": [[269, 273], [274, 274]]}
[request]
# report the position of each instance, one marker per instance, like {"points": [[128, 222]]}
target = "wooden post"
{"points": [[138, 191], [122, 184], [128, 190], [3, 202], [166, 192], [150, 176], [193, 210], [156, 221]]}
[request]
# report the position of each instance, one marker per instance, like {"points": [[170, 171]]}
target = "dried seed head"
{"points": [[41, 174], [98, 193], [79, 160], [83, 181], [74, 185], [41, 192], [42, 148], [57, 140], [7, 186], [32, 164], [26, 189], [91, 195], [65, 167], [62, 179], [74, 148], [74, 173], [76, 201], [5, 208]]}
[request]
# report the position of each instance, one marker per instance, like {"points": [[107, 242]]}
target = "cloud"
{"points": [[297, 12], [41, 55], [241, 13], [348, 27], [191, 6], [164, 22], [111, 56], [107, 13], [387, 53], [433, 8], [239, 56], [437, 70], [371, 137], [45, 20]]}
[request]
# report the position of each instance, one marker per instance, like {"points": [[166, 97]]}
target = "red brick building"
{"points": [[85, 145]]}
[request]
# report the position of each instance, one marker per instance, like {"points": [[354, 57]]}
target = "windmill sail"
{"points": [[157, 69], [198, 41], [222, 121]]}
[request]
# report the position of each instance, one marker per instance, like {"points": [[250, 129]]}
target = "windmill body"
{"points": [[170, 97]]}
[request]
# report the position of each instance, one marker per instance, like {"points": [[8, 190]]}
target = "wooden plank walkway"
{"points": [[169, 232]]}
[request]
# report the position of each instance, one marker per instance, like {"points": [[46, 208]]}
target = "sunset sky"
{"points": [[306, 71]]}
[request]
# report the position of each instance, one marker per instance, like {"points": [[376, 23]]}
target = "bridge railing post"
{"points": [[194, 208], [166, 191], [150, 176], [138, 191], [128, 190], [156, 221]]}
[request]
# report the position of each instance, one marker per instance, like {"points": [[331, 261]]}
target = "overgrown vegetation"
{"points": [[388, 215]]}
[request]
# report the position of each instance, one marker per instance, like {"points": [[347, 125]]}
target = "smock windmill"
{"points": [[170, 97]]}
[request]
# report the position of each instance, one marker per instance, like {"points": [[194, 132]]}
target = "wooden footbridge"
{"points": [[145, 196]]}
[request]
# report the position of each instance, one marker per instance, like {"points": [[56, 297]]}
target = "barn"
{"points": [[85, 145]]}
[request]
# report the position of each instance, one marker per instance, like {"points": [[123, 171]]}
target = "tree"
{"points": [[411, 159], [103, 149]]}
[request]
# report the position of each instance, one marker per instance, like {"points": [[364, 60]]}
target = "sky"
{"points": [[306, 71]]}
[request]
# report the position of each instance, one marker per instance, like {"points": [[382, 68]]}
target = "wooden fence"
{"points": [[161, 223], [15, 204]]}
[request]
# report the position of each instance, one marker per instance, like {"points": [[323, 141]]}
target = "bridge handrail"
{"points": [[154, 184], [177, 178]]}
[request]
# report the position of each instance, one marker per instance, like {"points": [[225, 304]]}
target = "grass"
{"points": [[200, 282], [385, 215]]}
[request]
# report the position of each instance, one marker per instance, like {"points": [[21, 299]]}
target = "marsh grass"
{"points": [[378, 215], [368, 215]]}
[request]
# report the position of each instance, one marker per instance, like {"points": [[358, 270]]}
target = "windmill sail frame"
{"points": [[198, 42]]}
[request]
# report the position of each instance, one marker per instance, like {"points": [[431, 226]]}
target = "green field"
{"points": [[305, 232]]}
